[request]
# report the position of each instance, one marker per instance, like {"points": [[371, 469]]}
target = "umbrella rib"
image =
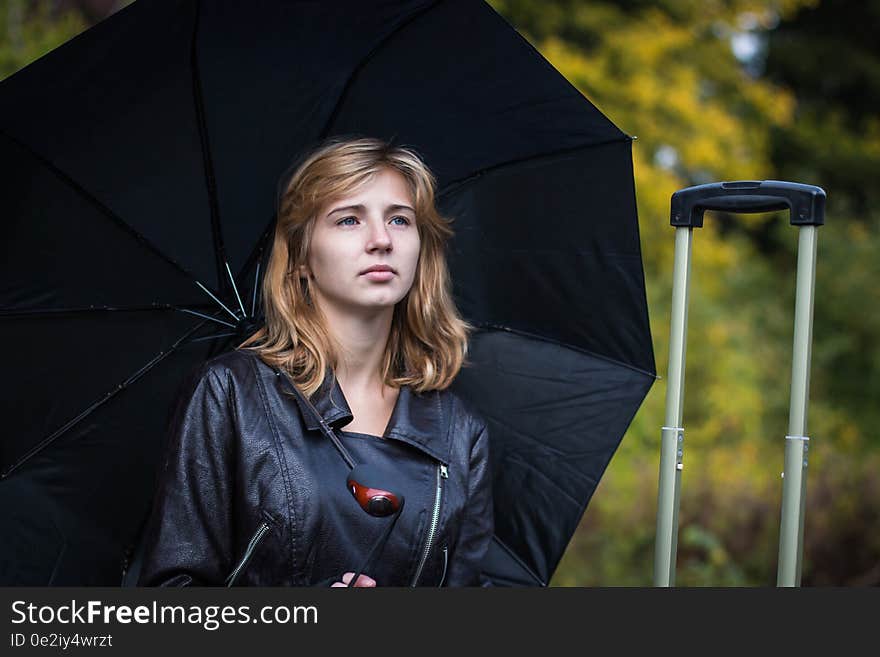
{"points": [[222, 305], [162, 355], [256, 280], [235, 289], [332, 119], [36, 312], [31, 312], [210, 337], [103, 208], [516, 558], [257, 254], [454, 185], [207, 159], [197, 314]]}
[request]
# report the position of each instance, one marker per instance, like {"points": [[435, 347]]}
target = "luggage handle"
{"points": [[806, 203]]}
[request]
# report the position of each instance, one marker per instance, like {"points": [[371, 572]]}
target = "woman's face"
{"points": [[373, 226]]}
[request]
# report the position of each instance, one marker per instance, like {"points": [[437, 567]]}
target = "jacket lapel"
{"points": [[329, 401], [417, 419]]}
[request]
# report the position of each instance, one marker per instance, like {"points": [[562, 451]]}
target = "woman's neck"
{"points": [[362, 340]]}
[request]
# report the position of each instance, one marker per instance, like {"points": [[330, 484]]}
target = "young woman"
{"points": [[360, 319]]}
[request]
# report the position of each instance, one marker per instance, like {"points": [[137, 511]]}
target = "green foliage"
{"points": [[28, 31], [829, 54]]}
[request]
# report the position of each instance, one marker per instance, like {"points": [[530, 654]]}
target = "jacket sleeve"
{"points": [[188, 537], [478, 521]]}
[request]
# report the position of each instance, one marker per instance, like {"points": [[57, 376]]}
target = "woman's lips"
{"points": [[379, 275]]}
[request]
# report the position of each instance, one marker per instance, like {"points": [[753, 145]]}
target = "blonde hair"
{"points": [[428, 340]]}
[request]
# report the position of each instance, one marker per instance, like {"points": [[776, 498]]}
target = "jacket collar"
{"points": [[417, 418]]}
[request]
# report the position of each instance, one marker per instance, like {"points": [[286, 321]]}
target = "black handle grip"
{"points": [[806, 203]]}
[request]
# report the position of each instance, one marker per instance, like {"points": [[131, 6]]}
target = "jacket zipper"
{"points": [[442, 473], [255, 540]]}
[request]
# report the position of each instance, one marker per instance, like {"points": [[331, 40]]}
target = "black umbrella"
{"points": [[140, 167]]}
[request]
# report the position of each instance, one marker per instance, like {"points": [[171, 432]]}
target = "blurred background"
{"points": [[714, 90]]}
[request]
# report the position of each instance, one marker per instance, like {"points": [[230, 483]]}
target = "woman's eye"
{"points": [[399, 220]]}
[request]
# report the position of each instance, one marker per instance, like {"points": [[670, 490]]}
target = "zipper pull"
{"points": [[445, 564], [443, 472]]}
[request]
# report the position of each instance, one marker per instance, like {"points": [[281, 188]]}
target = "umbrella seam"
{"points": [[601, 474], [498, 327], [63, 176], [518, 560], [48, 311], [367, 58], [521, 432], [39, 447], [207, 160], [516, 458], [455, 185], [57, 561], [103, 208], [541, 58]]}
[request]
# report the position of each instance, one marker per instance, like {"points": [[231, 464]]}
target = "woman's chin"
{"points": [[380, 304], [373, 303]]}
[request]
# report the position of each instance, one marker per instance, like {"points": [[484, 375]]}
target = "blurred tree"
{"points": [[28, 30], [830, 56], [31, 28]]}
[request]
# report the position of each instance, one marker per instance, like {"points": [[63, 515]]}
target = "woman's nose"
{"points": [[380, 238]]}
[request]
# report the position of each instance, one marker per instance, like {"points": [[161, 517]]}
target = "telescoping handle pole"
{"points": [[794, 482], [806, 204], [672, 433]]}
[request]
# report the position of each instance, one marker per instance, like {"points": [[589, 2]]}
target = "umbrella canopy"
{"points": [[141, 161]]}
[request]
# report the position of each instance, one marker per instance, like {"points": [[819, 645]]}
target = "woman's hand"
{"points": [[362, 581]]}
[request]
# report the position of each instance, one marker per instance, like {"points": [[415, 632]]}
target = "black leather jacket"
{"points": [[253, 493]]}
